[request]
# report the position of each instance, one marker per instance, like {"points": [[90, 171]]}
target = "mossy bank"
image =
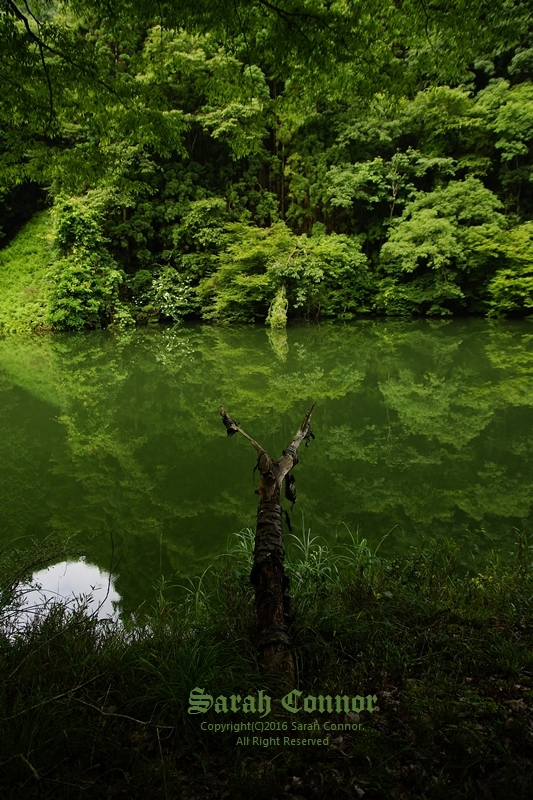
{"points": [[25, 278]]}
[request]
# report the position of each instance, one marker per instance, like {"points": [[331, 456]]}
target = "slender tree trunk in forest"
{"points": [[272, 599]]}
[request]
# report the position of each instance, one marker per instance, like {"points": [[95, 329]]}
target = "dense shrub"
{"points": [[86, 279], [443, 250], [321, 274]]}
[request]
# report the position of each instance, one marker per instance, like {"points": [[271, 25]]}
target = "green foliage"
{"points": [[277, 313], [321, 273], [511, 288], [85, 293], [25, 278], [445, 242], [86, 279], [171, 125], [240, 289], [373, 182], [509, 113], [201, 226], [171, 295]]}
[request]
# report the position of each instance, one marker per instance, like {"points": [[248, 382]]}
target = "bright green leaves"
{"points": [[511, 288], [85, 291], [320, 274], [371, 182], [241, 149], [24, 278], [277, 312], [441, 239], [240, 125], [422, 238], [213, 88], [509, 113], [77, 223], [241, 289], [443, 118], [198, 237], [86, 279], [509, 117], [466, 202], [362, 181], [172, 295], [201, 226], [238, 106]]}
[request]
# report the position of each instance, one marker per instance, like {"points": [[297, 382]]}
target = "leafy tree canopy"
{"points": [[343, 157]]}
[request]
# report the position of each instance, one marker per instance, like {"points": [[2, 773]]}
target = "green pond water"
{"points": [[423, 429]]}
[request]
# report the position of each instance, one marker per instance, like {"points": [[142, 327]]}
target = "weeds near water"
{"points": [[524, 550], [240, 548], [304, 543], [99, 709], [198, 594]]}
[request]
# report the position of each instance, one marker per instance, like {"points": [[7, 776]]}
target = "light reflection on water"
{"points": [[73, 582]]}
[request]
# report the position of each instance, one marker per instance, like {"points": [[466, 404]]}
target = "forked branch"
{"points": [[271, 583], [232, 428]]}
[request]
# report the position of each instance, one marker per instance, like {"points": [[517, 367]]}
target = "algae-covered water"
{"points": [[423, 428]]}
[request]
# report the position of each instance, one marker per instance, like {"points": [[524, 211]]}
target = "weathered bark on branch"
{"points": [[268, 576]]}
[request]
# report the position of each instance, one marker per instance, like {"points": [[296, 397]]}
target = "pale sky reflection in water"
{"points": [[69, 580]]}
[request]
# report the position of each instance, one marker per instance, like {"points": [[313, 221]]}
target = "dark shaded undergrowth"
{"points": [[98, 710]]}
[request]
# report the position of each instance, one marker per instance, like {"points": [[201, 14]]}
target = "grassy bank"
{"points": [[90, 709], [24, 285]]}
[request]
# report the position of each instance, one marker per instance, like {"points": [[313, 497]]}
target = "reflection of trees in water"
{"points": [[421, 422], [279, 342], [446, 435], [23, 459]]}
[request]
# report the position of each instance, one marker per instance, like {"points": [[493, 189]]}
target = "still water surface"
{"points": [[422, 429]]}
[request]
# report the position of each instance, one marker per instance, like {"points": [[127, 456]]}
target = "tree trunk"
{"points": [[268, 576]]}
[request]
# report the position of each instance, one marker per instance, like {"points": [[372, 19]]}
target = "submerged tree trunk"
{"points": [[268, 576]]}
